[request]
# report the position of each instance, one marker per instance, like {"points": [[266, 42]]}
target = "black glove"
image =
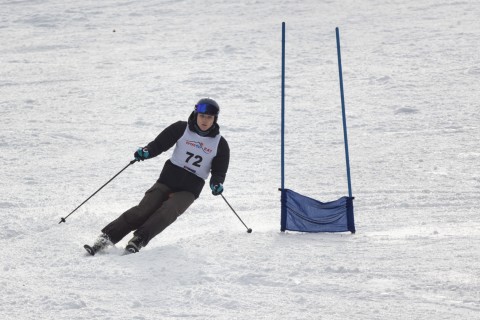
{"points": [[216, 189], [141, 154]]}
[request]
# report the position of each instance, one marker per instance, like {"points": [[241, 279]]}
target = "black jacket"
{"points": [[179, 179]]}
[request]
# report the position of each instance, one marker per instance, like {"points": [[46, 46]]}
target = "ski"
{"points": [[129, 249], [102, 242], [90, 250]]}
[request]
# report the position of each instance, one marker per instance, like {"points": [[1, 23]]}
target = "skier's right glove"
{"points": [[141, 154]]}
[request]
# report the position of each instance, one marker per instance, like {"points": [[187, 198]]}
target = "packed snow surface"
{"points": [[84, 83]]}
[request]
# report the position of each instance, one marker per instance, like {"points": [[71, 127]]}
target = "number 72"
{"points": [[197, 157]]}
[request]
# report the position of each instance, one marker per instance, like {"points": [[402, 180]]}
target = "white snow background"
{"points": [[84, 83]]}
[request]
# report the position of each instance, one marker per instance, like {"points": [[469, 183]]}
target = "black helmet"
{"points": [[207, 106]]}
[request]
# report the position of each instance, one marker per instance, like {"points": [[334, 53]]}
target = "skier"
{"points": [[199, 151]]}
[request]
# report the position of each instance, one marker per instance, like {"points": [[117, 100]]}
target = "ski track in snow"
{"points": [[84, 83]]}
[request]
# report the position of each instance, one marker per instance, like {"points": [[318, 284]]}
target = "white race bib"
{"points": [[195, 153]]}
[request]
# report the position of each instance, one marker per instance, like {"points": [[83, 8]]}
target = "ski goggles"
{"points": [[206, 109]]}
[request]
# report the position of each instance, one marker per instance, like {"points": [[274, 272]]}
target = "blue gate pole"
{"points": [[343, 112], [283, 106], [283, 219]]}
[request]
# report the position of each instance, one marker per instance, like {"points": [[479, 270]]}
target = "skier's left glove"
{"points": [[216, 189], [141, 154]]}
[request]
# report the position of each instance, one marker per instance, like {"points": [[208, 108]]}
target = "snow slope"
{"points": [[82, 84]]}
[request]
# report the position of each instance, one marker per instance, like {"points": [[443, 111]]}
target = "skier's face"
{"points": [[205, 121]]}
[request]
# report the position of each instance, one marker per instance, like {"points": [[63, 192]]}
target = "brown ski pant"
{"points": [[159, 208]]}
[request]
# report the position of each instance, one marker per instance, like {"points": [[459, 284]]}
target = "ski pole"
{"points": [[131, 162], [249, 230]]}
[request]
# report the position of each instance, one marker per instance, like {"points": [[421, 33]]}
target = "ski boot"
{"points": [[102, 242], [134, 245]]}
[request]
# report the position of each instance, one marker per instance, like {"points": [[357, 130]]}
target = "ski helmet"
{"points": [[207, 106]]}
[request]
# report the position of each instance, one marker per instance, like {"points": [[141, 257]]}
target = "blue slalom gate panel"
{"points": [[304, 214]]}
